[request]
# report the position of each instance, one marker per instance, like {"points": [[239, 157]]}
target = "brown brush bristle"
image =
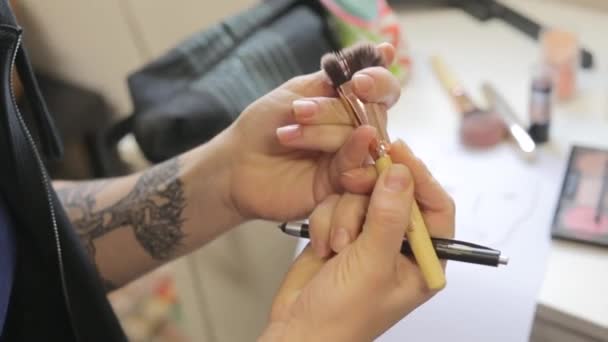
{"points": [[342, 65], [361, 56], [332, 67]]}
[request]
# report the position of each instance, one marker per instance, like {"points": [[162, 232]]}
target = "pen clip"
{"points": [[464, 243]]}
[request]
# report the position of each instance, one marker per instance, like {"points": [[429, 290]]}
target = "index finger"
{"points": [[376, 85]]}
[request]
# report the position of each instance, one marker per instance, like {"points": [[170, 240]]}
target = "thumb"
{"points": [[388, 214]]}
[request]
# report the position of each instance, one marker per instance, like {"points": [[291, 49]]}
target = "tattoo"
{"points": [[153, 209]]}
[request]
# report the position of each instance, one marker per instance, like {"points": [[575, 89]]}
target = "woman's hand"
{"points": [[337, 221], [290, 149], [368, 286]]}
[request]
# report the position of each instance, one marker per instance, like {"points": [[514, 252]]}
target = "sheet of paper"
{"points": [[504, 203], [496, 192]]}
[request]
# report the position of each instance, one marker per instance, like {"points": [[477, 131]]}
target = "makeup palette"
{"points": [[582, 210]]}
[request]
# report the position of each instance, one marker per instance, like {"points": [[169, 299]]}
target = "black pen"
{"points": [[445, 248]]}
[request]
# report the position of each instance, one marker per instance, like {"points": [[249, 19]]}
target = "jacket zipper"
{"points": [[49, 196]]}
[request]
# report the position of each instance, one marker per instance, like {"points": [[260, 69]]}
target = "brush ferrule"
{"points": [[377, 117], [367, 114], [383, 147], [355, 104], [379, 149]]}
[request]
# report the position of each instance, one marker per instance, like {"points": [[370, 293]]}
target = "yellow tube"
{"points": [[420, 241]]}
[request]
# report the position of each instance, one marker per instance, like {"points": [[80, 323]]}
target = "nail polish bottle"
{"points": [[540, 106]]}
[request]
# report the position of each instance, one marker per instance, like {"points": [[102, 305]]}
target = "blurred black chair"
{"points": [[86, 123]]}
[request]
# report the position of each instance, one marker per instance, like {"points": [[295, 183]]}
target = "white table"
{"points": [[488, 304]]}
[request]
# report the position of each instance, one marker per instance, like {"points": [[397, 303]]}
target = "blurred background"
{"points": [[506, 101]]}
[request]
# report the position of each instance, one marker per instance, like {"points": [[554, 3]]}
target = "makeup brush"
{"points": [[478, 127], [340, 68]]}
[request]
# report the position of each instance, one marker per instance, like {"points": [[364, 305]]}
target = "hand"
{"points": [[291, 147], [368, 286], [337, 220]]}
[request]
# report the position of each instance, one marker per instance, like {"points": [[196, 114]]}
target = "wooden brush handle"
{"points": [[420, 240], [453, 87], [444, 74]]}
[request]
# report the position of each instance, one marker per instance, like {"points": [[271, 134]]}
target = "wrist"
{"points": [[283, 331], [295, 331], [209, 169]]}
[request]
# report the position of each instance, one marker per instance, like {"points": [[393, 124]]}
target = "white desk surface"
{"points": [[488, 304]]}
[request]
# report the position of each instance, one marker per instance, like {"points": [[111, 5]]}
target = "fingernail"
{"points": [[363, 83], [355, 173], [320, 250], [396, 178], [403, 145], [304, 109], [340, 240], [290, 132]]}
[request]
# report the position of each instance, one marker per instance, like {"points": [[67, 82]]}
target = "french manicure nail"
{"points": [[304, 109], [396, 178], [363, 83], [340, 240], [287, 133]]}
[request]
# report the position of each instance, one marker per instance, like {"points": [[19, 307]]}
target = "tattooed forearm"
{"points": [[153, 209]]}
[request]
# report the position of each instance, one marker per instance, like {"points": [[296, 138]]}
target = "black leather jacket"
{"points": [[57, 294]]}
